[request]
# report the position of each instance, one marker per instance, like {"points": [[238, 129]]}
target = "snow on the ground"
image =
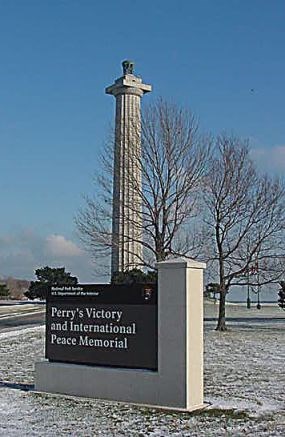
{"points": [[244, 382]]}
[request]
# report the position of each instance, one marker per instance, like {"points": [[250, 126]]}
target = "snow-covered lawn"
{"points": [[244, 382]]}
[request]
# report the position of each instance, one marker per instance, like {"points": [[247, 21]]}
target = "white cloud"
{"points": [[271, 159], [58, 245], [24, 250]]}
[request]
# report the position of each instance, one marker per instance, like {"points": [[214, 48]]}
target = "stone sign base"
{"points": [[178, 382]]}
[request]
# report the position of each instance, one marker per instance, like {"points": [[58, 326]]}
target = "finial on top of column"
{"points": [[128, 83], [128, 67]]}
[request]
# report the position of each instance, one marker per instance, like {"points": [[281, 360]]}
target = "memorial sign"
{"points": [[107, 325]]}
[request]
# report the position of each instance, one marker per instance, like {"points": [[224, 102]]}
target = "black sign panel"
{"points": [[109, 325]]}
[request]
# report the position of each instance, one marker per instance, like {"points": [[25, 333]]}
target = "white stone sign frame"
{"points": [[178, 382]]}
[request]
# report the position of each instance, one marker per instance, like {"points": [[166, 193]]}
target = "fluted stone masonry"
{"points": [[127, 205]]}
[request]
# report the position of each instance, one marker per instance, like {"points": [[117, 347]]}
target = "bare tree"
{"points": [[245, 217], [172, 160]]}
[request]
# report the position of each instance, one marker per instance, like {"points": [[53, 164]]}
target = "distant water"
{"points": [[268, 295], [252, 301]]}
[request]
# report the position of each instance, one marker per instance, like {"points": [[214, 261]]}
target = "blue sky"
{"points": [[222, 58]]}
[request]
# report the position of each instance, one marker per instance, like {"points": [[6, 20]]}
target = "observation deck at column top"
{"points": [[128, 82]]}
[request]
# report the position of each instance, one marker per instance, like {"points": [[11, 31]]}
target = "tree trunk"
{"points": [[221, 326]]}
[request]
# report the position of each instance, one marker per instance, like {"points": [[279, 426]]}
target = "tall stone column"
{"points": [[127, 205]]}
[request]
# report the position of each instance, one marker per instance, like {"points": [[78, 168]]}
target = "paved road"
{"points": [[19, 321], [37, 317], [249, 319]]}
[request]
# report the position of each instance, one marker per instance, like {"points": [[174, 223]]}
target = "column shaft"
{"points": [[127, 248]]}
